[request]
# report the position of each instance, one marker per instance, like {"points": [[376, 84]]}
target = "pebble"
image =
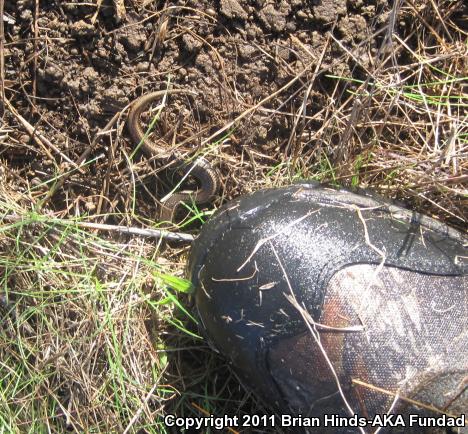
{"points": [[142, 67], [24, 138]]}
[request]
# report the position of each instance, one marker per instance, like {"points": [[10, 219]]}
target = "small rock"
{"points": [[191, 44], [317, 38], [246, 51], [73, 86], [118, 53], [52, 73], [21, 4], [284, 53], [132, 41], [24, 138], [272, 19], [291, 26], [90, 73], [114, 98], [285, 7], [232, 9], [43, 21], [82, 126], [368, 11], [85, 87], [82, 29], [353, 28], [328, 10], [92, 108], [26, 15], [383, 17], [90, 205], [262, 133], [142, 67], [102, 52], [251, 33], [204, 63]]}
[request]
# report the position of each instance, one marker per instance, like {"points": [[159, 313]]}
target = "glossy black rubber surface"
{"points": [[260, 248]]}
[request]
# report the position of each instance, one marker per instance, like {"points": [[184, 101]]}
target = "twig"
{"points": [[263, 241], [403, 398], [120, 12], [309, 88], [159, 38], [305, 315], [39, 138], [36, 39], [366, 235], [151, 233], [389, 411], [140, 410], [2, 58], [98, 8]]}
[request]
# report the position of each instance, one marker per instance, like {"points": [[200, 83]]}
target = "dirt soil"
{"points": [[75, 65]]}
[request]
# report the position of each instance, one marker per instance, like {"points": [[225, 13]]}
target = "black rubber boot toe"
{"points": [[329, 302]]}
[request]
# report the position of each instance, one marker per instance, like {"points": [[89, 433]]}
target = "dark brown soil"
{"points": [[71, 66], [88, 64]]}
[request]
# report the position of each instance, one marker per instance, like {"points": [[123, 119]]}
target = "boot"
{"points": [[327, 302]]}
